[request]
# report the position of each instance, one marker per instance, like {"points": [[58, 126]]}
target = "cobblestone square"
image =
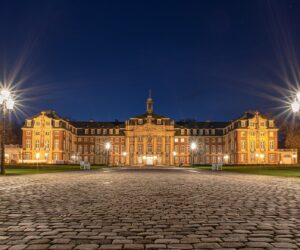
{"points": [[159, 208]]}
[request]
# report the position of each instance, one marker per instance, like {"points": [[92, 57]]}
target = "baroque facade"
{"points": [[150, 139]]}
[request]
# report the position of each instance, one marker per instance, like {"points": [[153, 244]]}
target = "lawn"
{"points": [[286, 171], [42, 169]]}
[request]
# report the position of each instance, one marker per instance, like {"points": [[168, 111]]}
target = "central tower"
{"points": [[149, 104]]}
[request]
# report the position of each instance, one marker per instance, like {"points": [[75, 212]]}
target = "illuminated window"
{"points": [[37, 144], [28, 133], [28, 144]]}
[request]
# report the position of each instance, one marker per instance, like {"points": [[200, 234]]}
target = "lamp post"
{"points": [[174, 154], [295, 105], [7, 104], [107, 147], [124, 155], [193, 148], [37, 156]]}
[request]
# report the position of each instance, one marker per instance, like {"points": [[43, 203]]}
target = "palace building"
{"points": [[152, 139]]}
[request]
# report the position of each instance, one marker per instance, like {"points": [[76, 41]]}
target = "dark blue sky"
{"points": [[206, 60]]}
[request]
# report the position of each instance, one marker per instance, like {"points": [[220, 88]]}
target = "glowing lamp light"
{"points": [[144, 157], [107, 146], [37, 156], [294, 156], [298, 96], [5, 93], [262, 156], [155, 157], [1, 99], [46, 155], [193, 146], [174, 153], [226, 157], [295, 106], [10, 104], [124, 153]]}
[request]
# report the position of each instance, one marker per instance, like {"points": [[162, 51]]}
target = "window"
{"points": [[28, 143], [140, 148], [92, 131], [243, 124], [243, 157], [243, 144], [213, 148], [219, 149], [182, 139], [158, 148], [28, 133], [182, 149], [105, 131], [194, 131], [182, 131], [86, 139], [262, 124], [48, 123], [271, 145], [56, 124], [262, 145], [47, 144], [207, 148], [176, 139], [243, 133], [56, 157], [252, 133], [272, 157], [86, 131], [37, 133], [98, 131], [212, 131], [206, 131], [92, 148], [201, 131], [111, 131], [28, 123], [86, 149], [149, 148], [262, 134], [79, 139], [158, 121], [140, 121], [56, 144], [117, 131], [37, 123], [37, 144], [80, 149], [251, 124], [116, 149], [47, 133], [252, 145], [28, 156], [271, 123], [271, 133]]}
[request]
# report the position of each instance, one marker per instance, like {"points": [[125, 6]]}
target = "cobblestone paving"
{"points": [[149, 209]]}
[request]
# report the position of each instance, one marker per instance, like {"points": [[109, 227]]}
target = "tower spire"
{"points": [[149, 103]]}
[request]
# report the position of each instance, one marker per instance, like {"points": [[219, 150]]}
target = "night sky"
{"points": [[204, 60]]}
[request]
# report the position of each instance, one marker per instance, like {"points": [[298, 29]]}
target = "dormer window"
{"points": [[206, 131], [105, 131], [111, 131], [194, 131], [158, 121], [140, 121], [271, 123], [92, 131], [86, 131], [212, 131], [182, 131], [56, 124], [117, 131], [28, 123], [243, 124], [98, 131]]}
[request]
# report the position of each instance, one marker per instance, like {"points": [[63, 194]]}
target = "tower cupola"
{"points": [[149, 104]]}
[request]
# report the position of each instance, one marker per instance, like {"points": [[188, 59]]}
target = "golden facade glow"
{"points": [[151, 139]]}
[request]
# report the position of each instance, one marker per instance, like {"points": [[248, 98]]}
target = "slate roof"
{"points": [[94, 124], [201, 125]]}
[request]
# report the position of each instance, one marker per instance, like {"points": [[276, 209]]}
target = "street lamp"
{"points": [[7, 104], [37, 156], [295, 105], [107, 147], [124, 155], [226, 158], [193, 148]]}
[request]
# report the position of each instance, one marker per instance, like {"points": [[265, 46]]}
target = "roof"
{"points": [[250, 115], [145, 115], [93, 124], [201, 125], [50, 113]]}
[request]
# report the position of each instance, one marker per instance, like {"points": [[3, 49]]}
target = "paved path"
{"points": [[149, 209]]}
